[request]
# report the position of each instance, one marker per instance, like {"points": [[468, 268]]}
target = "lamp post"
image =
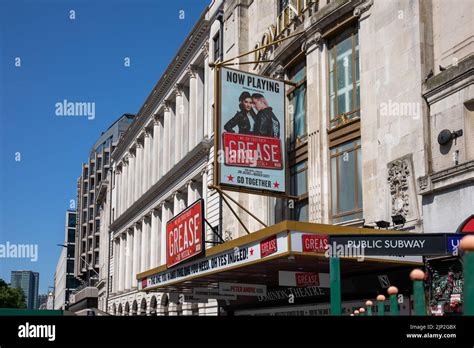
{"points": [[381, 305], [467, 244], [335, 284], [369, 305], [393, 291], [417, 276]]}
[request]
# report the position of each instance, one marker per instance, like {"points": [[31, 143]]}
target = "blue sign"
{"points": [[453, 243]]}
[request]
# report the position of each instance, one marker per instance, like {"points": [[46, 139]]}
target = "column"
{"points": [[128, 275], [136, 256], [199, 104], [315, 154], [116, 265], [209, 235], [125, 187], [193, 104], [155, 156], [144, 240], [155, 227], [166, 159], [147, 162], [165, 215], [148, 241], [118, 196], [121, 270], [138, 170], [130, 183], [192, 192], [207, 115], [176, 203], [179, 115]]}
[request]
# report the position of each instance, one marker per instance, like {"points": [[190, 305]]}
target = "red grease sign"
{"points": [[184, 234], [306, 279], [268, 246], [254, 151], [314, 243]]}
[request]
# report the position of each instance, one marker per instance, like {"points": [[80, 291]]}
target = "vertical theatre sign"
{"points": [[184, 234], [250, 133]]}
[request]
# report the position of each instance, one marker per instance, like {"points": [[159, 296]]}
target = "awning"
{"points": [[258, 257]]}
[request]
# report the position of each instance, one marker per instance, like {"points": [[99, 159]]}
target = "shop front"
{"points": [[283, 269]]}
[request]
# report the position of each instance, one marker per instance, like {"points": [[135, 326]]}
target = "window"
{"points": [[346, 181], [70, 251], [299, 187], [297, 102], [71, 235], [106, 158], [71, 220], [217, 47], [344, 79], [70, 266]]}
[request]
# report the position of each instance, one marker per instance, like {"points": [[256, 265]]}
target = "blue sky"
{"points": [[79, 60]]}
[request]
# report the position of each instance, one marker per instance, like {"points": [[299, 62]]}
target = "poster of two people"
{"points": [[252, 128]]}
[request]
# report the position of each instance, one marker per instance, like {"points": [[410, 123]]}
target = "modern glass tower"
{"points": [[28, 281]]}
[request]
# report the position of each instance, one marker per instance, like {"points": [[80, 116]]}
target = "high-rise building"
{"points": [[28, 281], [88, 215], [64, 280]]}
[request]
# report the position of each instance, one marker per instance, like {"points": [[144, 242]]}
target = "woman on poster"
{"points": [[245, 118]]}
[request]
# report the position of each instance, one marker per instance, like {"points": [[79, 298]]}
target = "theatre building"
{"points": [[379, 129]]}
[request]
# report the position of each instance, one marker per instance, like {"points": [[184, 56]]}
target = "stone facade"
{"points": [[377, 160]]}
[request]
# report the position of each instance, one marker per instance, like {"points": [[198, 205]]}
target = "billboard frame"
{"points": [[217, 140]]}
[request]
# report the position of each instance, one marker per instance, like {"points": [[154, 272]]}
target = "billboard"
{"points": [[250, 135], [184, 234]]}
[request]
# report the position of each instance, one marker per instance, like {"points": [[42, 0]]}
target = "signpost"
{"points": [[205, 293], [242, 289], [402, 244], [184, 234]]}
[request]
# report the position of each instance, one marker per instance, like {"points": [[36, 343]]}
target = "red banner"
{"points": [[184, 234], [315, 243], [252, 151], [268, 246]]}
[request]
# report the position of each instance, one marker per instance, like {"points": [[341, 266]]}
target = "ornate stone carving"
{"points": [[227, 235], [166, 106], [205, 49], [192, 71], [279, 72], [363, 7], [398, 181], [312, 42], [178, 89], [424, 183]]}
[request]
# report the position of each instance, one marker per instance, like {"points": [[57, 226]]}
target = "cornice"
{"points": [[197, 155], [178, 64]]}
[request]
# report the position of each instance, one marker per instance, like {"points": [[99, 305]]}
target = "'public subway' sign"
{"points": [[404, 244], [184, 234]]}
